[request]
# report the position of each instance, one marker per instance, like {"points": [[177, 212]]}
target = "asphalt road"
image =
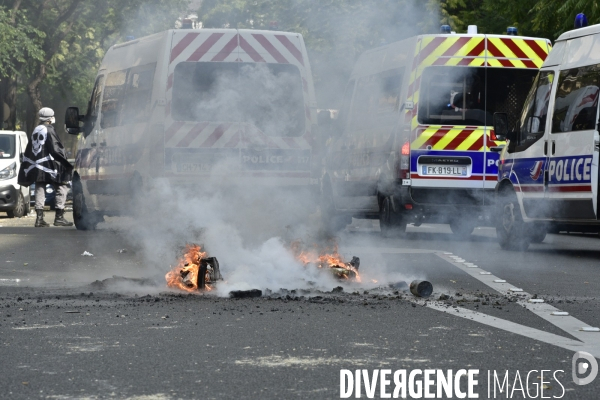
{"points": [[69, 331]]}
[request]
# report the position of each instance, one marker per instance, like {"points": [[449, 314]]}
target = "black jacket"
{"points": [[44, 160]]}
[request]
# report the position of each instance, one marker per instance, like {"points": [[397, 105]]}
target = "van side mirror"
{"points": [[72, 119], [501, 126]]}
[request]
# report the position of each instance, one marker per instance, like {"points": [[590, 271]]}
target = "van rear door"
{"points": [[239, 99]]}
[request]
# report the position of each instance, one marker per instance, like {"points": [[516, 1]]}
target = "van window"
{"points": [[346, 102], [94, 106], [470, 96], [270, 96], [376, 96], [7, 146], [576, 103], [113, 98], [136, 100], [533, 121]]}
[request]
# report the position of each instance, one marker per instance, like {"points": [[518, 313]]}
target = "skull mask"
{"points": [[38, 139]]}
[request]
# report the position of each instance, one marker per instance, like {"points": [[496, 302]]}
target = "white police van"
{"points": [[548, 172]]}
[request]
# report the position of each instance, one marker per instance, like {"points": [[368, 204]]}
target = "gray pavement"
{"points": [[69, 331]]}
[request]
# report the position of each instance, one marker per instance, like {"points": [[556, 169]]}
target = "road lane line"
{"points": [[518, 329], [567, 323]]}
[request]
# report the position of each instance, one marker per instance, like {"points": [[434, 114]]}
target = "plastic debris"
{"points": [[87, 254], [559, 313], [514, 289], [589, 329], [536, 300], [499, 281], [121, 251]]}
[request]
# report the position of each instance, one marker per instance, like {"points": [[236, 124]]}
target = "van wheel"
{"points": [[538, 233], [463, 227], [390, 223], [332, 221], [510, 228], [19, 209], [83, 219]]}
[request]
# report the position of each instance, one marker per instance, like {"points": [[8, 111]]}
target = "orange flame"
{"points": [[325, 257], [184, 275]]}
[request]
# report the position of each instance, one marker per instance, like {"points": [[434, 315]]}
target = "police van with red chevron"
{"points": [[188, 104], [413, 137], [548, 175]]}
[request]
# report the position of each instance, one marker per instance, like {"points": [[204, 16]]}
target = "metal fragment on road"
{"points": [[499, 281], [589, 329], [485, 273], [559, 313], [536, 300], [514, 289]]}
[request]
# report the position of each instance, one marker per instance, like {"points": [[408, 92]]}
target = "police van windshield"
{"points": [[7, 146], [269, 96], [463, 95]]}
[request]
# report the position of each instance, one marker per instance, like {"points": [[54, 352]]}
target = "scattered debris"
{"points": [[121, 251], [87, 254], [244, 294], [421, 288]]}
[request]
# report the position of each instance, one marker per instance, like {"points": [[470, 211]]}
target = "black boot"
{"points": [[39, 221], [59, 220]]}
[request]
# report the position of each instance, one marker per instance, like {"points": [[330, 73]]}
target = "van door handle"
{"points": [[546, 148], [596, 145], [553, 147]]}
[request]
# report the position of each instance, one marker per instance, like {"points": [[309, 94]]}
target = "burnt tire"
{"points": [[391, 223], [20, 208], [511, 231], [463, 227], [83, 219]]}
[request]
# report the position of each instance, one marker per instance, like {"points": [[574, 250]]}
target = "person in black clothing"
{"points": [[45, 162]]}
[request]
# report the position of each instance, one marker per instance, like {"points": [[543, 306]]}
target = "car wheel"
{"points": [[462, 227], [19, 209], [390, 223], [83, 219], [510, 228], [332, 221]]}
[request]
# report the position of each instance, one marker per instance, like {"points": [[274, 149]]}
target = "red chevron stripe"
{"points": [[173, 130], [182, 45], [496, 53], [227, 50], [541, 53], [452, 50], [205, 47], [192, 134], [477, 145], [233, 142], [291, 48], [270, 48], [250, 50], [462, 135], [216, 135], [433, 139], [431, 46], [291, 142]]}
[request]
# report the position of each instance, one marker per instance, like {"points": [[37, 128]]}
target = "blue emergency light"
{"points": [[580, 21], [511, 31], [446, 29]]}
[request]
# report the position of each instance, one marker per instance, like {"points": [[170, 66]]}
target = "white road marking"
{"points": [[567, 323]]}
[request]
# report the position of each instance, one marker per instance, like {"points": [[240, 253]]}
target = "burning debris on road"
{"points": [[194, 271], [329, 259]]}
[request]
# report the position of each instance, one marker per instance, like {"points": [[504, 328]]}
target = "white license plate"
{"points": [[440, 170]]}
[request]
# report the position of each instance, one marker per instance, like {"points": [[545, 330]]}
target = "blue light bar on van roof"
{"points": [[446, 29], [580, 21], [512, 31]]}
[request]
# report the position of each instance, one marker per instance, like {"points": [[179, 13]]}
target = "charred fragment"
{"points": [[244, 294], [421, 288]]}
